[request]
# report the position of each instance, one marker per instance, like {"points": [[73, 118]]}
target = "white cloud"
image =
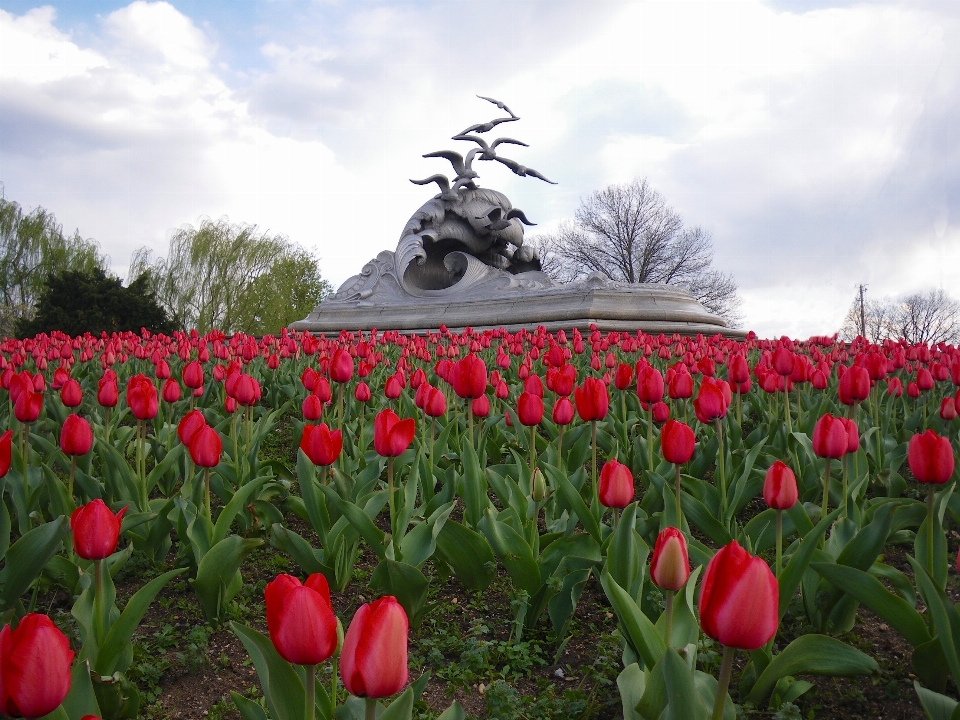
{"points": [[817, 147]]}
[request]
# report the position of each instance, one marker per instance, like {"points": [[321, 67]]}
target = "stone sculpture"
{"points": [[461, 260]]}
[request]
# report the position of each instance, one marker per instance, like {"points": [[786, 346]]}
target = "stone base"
{"points": [[653, 308]]}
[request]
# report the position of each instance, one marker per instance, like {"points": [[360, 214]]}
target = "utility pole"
{"points": [[863, 315]]}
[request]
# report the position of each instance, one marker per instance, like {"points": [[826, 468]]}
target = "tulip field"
{"points": [[478, 524]]}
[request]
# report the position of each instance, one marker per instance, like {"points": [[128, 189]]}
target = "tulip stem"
{"points": [[650, 439], [206, 483], [371, 713], [616, 519], [310, 702], [676, 470], [73, 470], [826, 490], [593, 436], [560, 446], [786, 409], [845, 466], [433, 440], [533, 454], [779, 541], [106, 425], [930, 511], [390, 495], [668, 615], [721, 480], [740, 409], [726, 668], [100, 620], [470, 422], [340, 407]]}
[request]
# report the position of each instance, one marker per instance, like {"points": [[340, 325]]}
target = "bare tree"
{"points": [[629, 233], [929, 317]]}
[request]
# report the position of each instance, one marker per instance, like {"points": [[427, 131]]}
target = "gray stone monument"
{"points": [[461, 261]]}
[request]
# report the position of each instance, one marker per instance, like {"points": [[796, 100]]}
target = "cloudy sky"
{"points": [[818, 142]]}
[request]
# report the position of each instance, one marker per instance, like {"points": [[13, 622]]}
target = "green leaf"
{"points": [[359, 519], [118, 637], [281, 685], [81, 700], [870, 592], [812, 655], [639, 631], [405, 583], [287, 541], [468, 553], [454, 712], [230, 510], [513, 551], [401, 708], [474, 485], [631, 682], [930, 665], [26, 558], [216, 572], [248, 709], [791, 575], [683, 700], [940, 610], [573, 498], [627, 553], [935, 705], [697, 514]]}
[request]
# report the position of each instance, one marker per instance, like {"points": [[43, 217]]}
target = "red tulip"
{"points": [[562, 379], [853, 435], [649, 384], [677, 442], [108, 393], [661, 412], [34, 667], [341, 366], [189, 424], [782, 361], [246, 390], [739, 599], [70, 394], [563, 411], [480, 407], [670, 565], [894, 386], [912, 390], [592, 400], [96, 530], [854, 385], [948, 409], [391, 435], [529, 409], [434, 401], [300, 619], [680, 386], [738, 371], [76, 437], [392, 387], [930, 457], [320, 444], [193, 375], [28, 405], [780, 487], [205, 447], [142, 397], [924, 379], [616, 485], [830, 439], [5, 452], [623, 377], [311, 408], [170, 391], [469, 377], [373, 662], [362, 392], [712, 401], [533, 385]]}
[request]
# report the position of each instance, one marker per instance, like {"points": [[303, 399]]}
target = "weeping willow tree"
{"points": [[232, 277], [32, 248]]}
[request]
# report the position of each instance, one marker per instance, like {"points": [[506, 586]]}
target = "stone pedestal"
{"points": [[485, 297]]}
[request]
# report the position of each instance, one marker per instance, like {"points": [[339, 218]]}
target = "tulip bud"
{"points": [[34, 667], [539, 484], [529, 409], [739, 599], [677, 442], [563, 411], [480, 407], [76, 437], [616, 485], [830, 439], [300, 619], [189, 424], [205, 447], [311, 408], [661, 412], [780, 487], [373, 662], [70, 394], [96, 530], [670, 566], [592, 400], [362, 392], [930, 458]]}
